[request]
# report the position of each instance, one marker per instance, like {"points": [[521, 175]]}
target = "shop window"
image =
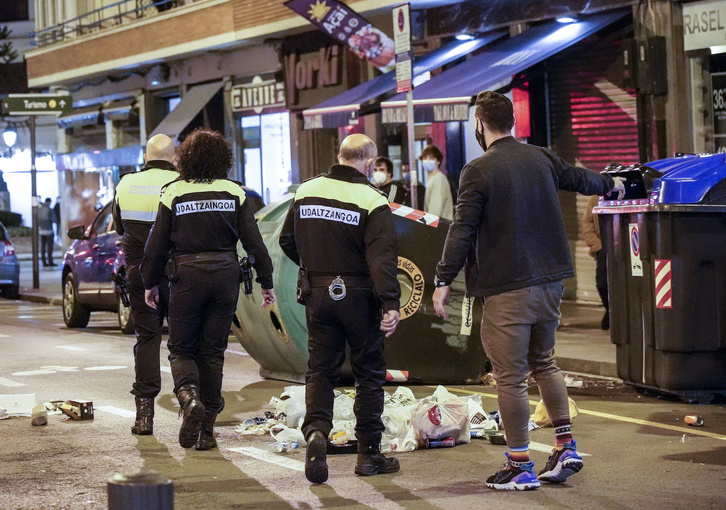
{"points": [[266, 149]]}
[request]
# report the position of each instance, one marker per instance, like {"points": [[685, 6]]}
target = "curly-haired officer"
{"points": [[201, 217]]}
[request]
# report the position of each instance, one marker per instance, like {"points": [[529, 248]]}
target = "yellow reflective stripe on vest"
{"points": [[360, 195], [138, 194], [179, 188]]}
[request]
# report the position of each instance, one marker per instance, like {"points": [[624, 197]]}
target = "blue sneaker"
{"points": [[517, 476], [562, 464]]}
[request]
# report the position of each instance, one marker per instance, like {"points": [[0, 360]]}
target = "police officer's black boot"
{"points": [[372, 462], [206, 433], [316, 466], [192, 411], [144, 425]]}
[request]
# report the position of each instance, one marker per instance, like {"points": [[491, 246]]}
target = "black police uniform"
{"points": [[341, 226], [201, 223], [134, 210]]}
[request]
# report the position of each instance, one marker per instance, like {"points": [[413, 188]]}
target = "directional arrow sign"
{"points": [[37, 104]]}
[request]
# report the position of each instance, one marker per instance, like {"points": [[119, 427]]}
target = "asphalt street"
{"points": [[639, 452]]}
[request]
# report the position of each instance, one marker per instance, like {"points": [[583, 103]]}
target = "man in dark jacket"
{"points": [[509, 231], [340, 230]]}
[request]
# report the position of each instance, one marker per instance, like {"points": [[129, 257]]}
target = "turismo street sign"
{"points": [[37, 104]]}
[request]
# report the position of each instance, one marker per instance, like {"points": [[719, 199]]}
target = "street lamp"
{"points": [[10, 136]]}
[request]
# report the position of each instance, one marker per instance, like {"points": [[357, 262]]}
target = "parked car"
{"points": [[92, 261], [9, 266], [89, 267]]}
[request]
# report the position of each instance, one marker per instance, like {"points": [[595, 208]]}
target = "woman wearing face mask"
{"points": [[383, 180], [438, 199]]}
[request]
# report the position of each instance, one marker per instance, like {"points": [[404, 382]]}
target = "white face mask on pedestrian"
{"points": [[428, 164], [378, 178]]}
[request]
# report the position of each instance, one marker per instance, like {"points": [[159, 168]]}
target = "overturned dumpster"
{"points": [[425, 348], [666, 257]]}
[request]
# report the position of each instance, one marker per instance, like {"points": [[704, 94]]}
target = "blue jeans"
{"points": [[518, 334]]}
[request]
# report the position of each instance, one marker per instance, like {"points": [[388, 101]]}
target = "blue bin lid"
{"points": [[687, 179]]}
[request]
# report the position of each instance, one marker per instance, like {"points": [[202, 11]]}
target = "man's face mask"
{"points": [[429, 165], [480, 135], [378, 178]]}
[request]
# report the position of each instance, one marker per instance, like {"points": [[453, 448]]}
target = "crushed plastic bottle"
{"points": [[284, 446]]}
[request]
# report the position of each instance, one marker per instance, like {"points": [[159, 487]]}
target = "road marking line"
{"points": [[609, 416], [110, 367], [125, 413], [33, 372], [9, 383], [4, 336], [71, 348], [270, 458], [239, 353], [547, 448]]}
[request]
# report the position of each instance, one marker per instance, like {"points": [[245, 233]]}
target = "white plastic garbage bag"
{"points": [[292, 404], [440, 416]]}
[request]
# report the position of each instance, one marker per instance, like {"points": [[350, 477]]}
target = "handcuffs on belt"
{"points": [[337, 289]]}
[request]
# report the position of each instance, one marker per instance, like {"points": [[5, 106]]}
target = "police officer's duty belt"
{"points": [[206, 256]]}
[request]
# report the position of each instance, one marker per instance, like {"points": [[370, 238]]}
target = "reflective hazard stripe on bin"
{"points": [[663, 290], [414, 214], [396, 375]]}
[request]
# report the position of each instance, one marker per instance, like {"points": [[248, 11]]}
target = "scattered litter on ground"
{"points": [[542, 419], [694, 420]]}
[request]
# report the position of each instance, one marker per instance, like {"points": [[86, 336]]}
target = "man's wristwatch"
{"points": [[438, 282]]}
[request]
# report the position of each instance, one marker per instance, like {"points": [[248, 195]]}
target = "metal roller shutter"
{"points": [[593, 121]]}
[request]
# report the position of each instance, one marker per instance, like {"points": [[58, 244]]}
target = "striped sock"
{"points": [[518, 455], [563, 432]]}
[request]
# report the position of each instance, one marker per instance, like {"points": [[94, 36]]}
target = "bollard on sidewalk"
{"points": [[140, 491]]}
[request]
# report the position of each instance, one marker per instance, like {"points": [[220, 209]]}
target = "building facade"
{"points": [[258, 72]]}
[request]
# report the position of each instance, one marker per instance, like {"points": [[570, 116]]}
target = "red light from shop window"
{"points": [[523, 125]]}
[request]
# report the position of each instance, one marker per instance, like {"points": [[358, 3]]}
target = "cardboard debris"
{"points": [[75, 409], [19, 404]]}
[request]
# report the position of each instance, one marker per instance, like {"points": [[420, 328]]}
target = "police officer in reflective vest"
{"points": [[201, 217], [340, 231], [134, 210]]}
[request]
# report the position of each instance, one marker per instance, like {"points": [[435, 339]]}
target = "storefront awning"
{"points": [[191, 104], [447, 97], [339, 110], [89, 115]]}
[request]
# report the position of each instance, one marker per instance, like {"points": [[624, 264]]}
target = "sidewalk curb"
{"points": [[586, 366], [41, 299]]}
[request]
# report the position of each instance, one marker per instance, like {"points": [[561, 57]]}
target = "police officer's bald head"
{"points": [[358, 151], [160, 147]]}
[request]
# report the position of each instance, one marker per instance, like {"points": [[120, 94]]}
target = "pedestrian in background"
{"points": [[135, 204], [339, 230], [200, 218], [591, 233], [383, 180], [57, 211], [438, 199], [508, 213], [46, 220]]}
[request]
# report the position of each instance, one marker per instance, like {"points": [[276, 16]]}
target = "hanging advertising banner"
{"points": [[343, 24], [404, 55]]}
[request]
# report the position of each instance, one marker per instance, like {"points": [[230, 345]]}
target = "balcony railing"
{"points": [[119, 13]]}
